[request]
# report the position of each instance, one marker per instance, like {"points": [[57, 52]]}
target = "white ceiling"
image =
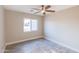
{"points": [[28, 8]]}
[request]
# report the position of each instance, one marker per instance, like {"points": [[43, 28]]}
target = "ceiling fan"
{"points": [[43, 9]]}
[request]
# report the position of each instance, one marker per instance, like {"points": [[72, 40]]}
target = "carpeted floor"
{"points": [[37, 46]]}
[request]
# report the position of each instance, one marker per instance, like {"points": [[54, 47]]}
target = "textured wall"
{"points": [[14, 26], [1, 29], [63, 27]]}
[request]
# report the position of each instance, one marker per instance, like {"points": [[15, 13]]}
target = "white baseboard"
{"points": [[33, 38], [62, 44]]}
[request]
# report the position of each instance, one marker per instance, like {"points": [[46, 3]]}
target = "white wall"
{"points": [[14, 27], [1, 29], [63, 27]]}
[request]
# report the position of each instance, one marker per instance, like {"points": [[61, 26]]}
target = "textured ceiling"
{"points": [[28, 8]]}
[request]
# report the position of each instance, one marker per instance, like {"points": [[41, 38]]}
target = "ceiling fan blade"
{"points": [[48, 6], [35, 9], [50, 10], [37, 12]]}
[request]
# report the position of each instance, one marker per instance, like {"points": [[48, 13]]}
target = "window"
{"points": [[30, 25], [27, 25], [34, 25]]}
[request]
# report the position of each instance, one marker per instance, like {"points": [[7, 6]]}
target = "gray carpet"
{"points": [[37, 46]]}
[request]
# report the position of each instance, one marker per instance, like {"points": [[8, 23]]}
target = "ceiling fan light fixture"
{"points": [[42, 11]]}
